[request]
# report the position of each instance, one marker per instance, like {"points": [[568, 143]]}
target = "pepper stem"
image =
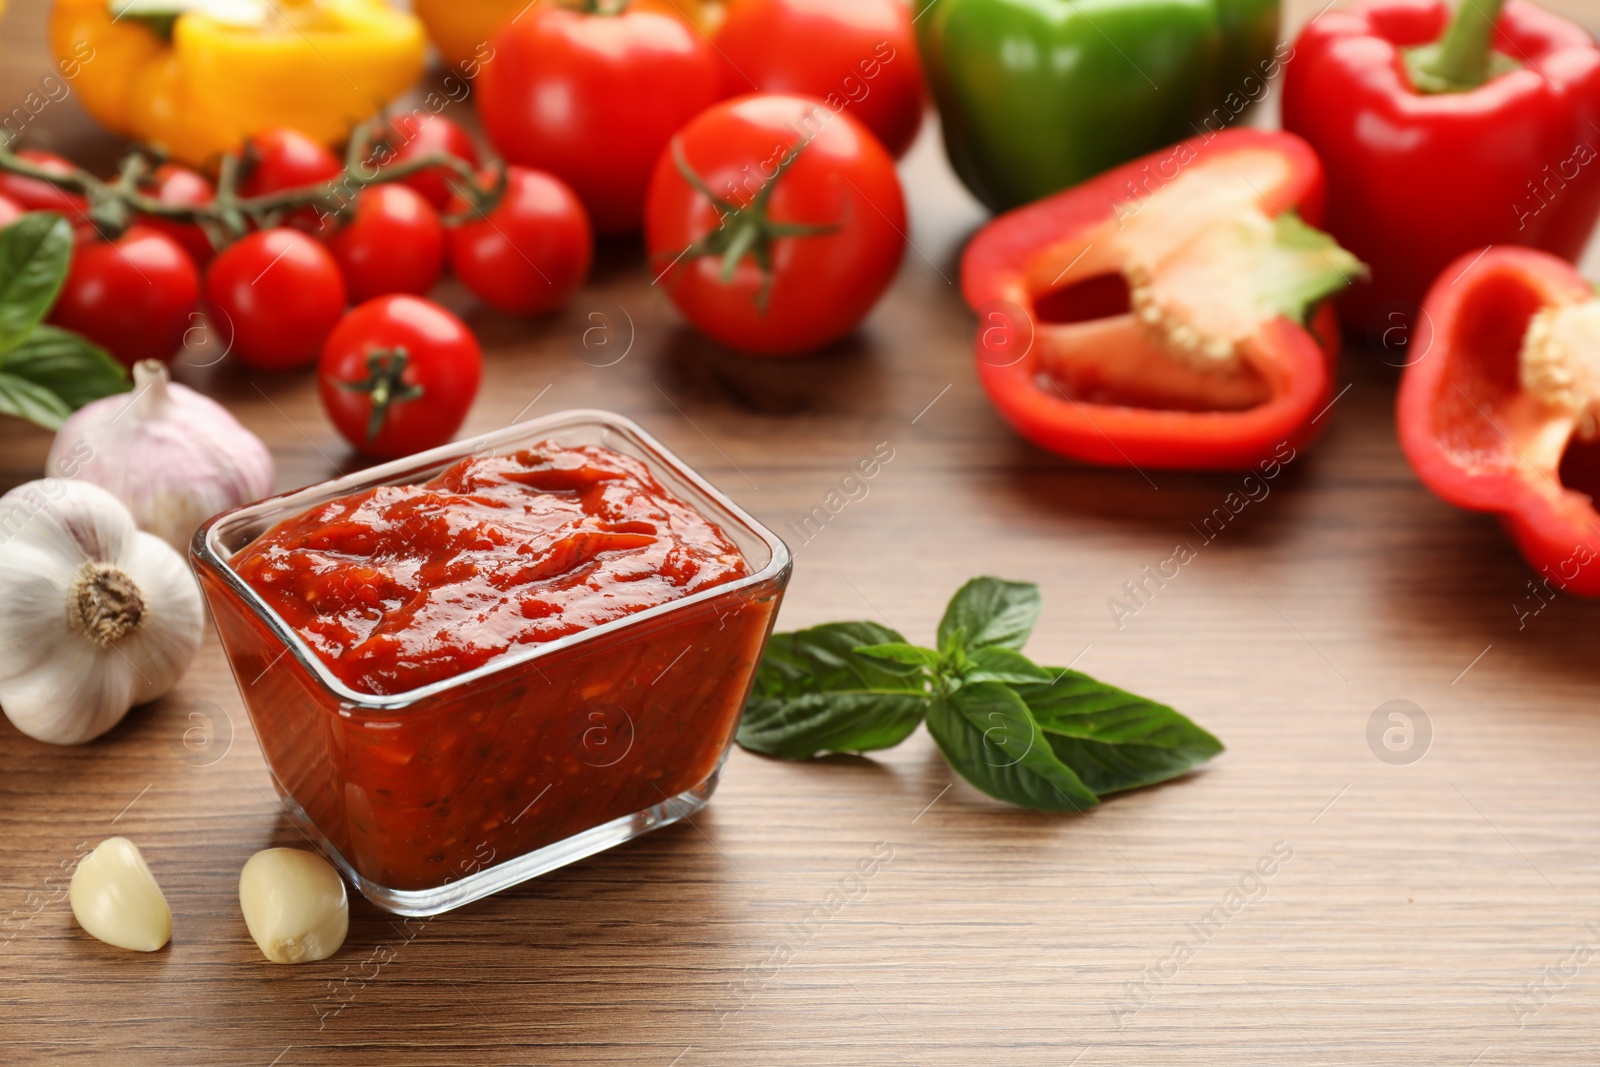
{"points": [[386, 386], [1463, 58]]}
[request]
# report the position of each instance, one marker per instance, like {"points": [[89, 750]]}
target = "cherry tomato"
{"points": [[134, 296], [394, 243], [177, 186], [273, 297], [285, 159], [532, 251], [398, 374], [10, 211], [856, 55], [415, 135], [593, 98], [31, 194], [789, 291]]}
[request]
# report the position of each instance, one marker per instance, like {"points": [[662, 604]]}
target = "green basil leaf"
{"points": [[991, 739], [907, 658], [989, 612], [25, 400], [815, 693], [997, 664], [1114, 739], [34, 254], [70, 366]]}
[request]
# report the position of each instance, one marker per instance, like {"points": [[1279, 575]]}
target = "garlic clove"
{"points": [[294, 905], [115, 898]]}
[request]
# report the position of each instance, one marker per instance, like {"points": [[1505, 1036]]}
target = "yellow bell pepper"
{"points": [[235, 67], [463, 29]]}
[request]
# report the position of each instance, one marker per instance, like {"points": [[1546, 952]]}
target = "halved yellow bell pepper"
{"points": [[235, 67]]}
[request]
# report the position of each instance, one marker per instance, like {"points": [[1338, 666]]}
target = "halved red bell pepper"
{"points": [[1501, 411], [1154, 316]]}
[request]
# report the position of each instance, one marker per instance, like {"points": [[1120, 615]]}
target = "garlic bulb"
{"points": [[95, 616], [172, 455]]}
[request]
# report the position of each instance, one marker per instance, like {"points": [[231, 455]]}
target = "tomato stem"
{"points": [[385, 384]]}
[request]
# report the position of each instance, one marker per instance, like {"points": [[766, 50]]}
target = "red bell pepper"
{"points": [[1500, 412], [1153, 316], [1437, 143]]}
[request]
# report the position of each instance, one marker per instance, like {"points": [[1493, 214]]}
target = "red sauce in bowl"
{"points": [[400, 586]]}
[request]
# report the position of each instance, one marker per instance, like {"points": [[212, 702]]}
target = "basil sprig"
{"points": [[1045, 738], [45, 372]]}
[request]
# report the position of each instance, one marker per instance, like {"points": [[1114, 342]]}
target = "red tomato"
{"points": [[817, 286], [415, 135], [398, 374], [134, 296], [10, 211], [177, 186], [273, 297], [593, 98], [285, 159], [394, 243], [31, 194], [532, 251], [856, 55]]}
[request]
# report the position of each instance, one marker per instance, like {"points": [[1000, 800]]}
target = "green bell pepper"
{"points": [[1038, 95]]}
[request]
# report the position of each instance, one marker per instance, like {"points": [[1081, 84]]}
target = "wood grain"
{"points": [[1415, 907]]}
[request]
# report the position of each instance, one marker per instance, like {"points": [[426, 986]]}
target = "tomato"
{"points": [[10, 211], [531, 252], [789, 291], [31, 194], [134, 296], [282, 159], [415, 135], [393, 243], [398, 374], [856, 55], [593, 98], [273, 297], [177, 186]]}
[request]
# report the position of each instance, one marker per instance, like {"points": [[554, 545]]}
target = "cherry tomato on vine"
{"points": [[803, 236], [134, 296], [593, 97], [273, 297], [393, 243], [31, 194], [398, 374], [177, 186], [856, 55], [277, 160], [413, 136], [531, 252]]}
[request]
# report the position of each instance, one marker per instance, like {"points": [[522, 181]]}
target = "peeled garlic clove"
{"points": [[294, 905], [115, 898]]}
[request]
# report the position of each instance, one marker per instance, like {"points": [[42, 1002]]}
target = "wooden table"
{"points": [[1410, 914]]}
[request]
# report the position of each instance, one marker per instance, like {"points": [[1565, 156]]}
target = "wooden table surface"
{"points": [[1443, 911]]}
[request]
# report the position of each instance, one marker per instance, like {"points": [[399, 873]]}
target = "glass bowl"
{"points": [[437, 796]]}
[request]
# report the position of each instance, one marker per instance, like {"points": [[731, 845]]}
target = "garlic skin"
{"points": [[174, 456], [294, 905], [95, 616], [115, 898]]}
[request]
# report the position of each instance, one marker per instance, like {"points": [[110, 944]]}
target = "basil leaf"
{"points": [[34, 254], [1114, 739], [1002, 665], [70, 366], [991, 739], [24, 399], [907, 656], [815, 693], [987, 612]]}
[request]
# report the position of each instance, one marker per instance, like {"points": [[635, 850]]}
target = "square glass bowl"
{"points": [[440, 795]]}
